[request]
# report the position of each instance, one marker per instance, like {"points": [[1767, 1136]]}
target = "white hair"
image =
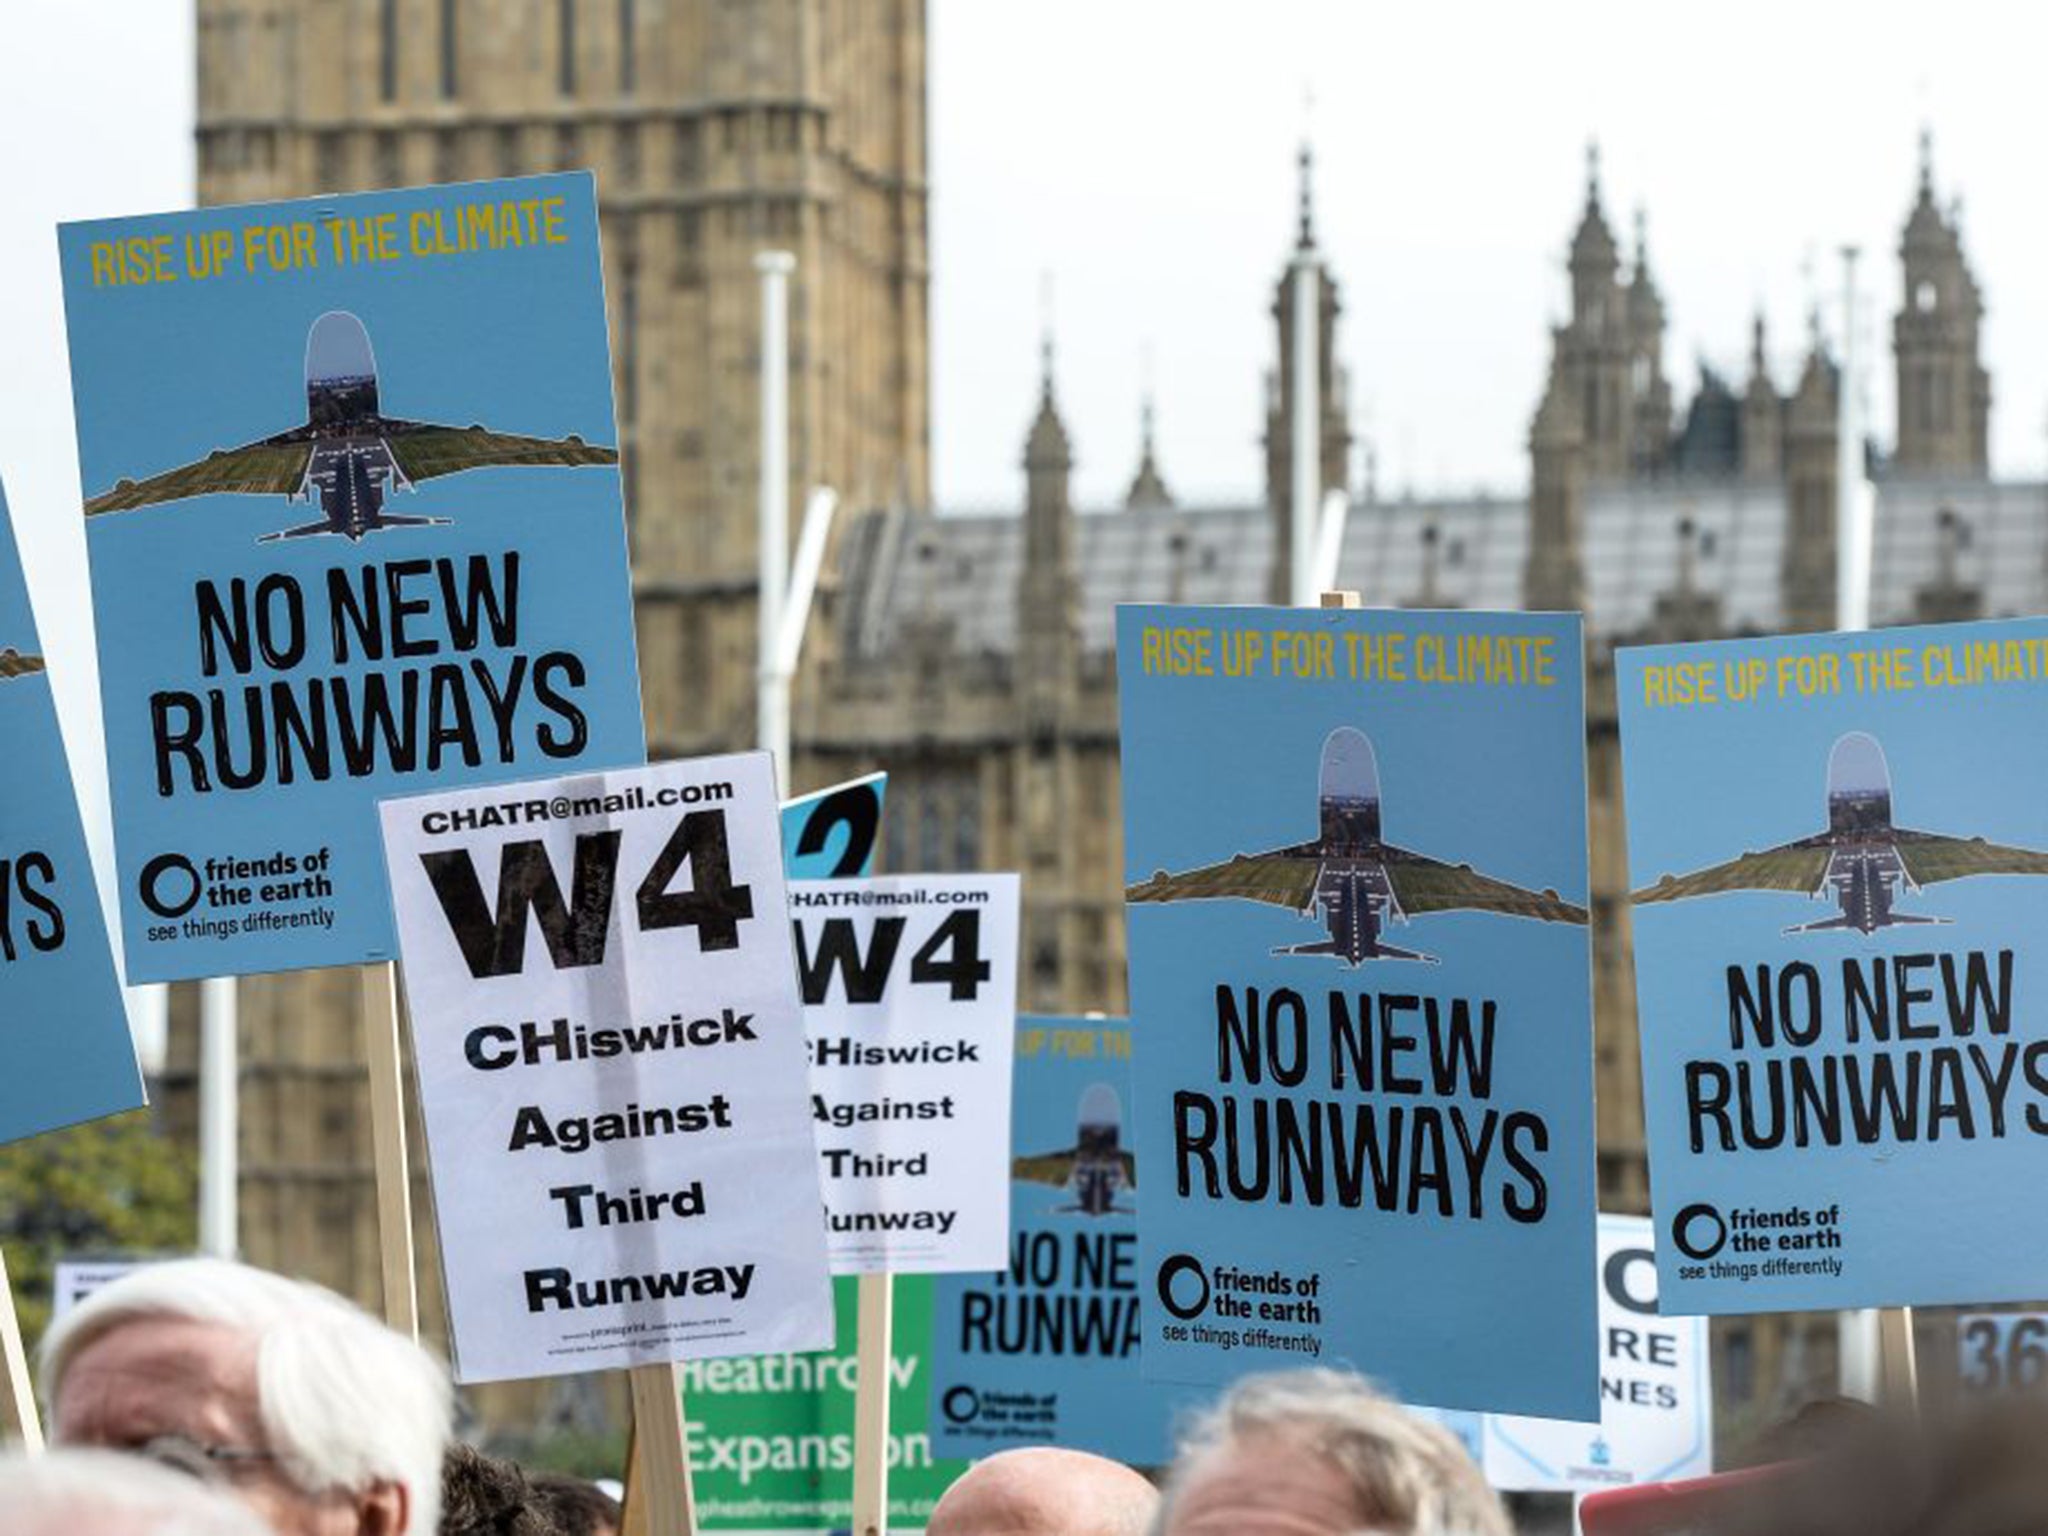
{"points": [[345, 1402], [97, 1493], [1407, 1476]]}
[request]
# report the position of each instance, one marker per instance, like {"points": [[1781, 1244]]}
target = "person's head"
{"points": [[579, 1506], [1040, 1491], [92, 1493], [483, 1496], [318, 1416], [1320, 1453]]}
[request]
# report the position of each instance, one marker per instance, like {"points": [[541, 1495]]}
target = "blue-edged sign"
{"points": [[1361, 1024], [1656, 1402], [69, 1056], [1836, 849], [1045, 1352], [353, 512]]}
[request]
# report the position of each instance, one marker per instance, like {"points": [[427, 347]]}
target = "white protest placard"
{"points": [[76, 1279], [611, 1068], [910, 998], [1656, 1404]]}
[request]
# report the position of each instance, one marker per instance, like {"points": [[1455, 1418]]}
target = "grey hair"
{"points": [[1407, 1476], [345, 1402], [99, 1493]]}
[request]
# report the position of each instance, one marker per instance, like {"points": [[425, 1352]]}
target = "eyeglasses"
{"points": [[205, 1463]]}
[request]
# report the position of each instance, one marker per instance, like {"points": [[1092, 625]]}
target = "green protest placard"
{"points": [[771, 1436]]}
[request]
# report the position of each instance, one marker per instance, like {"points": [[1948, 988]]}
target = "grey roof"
{"points": [[2002, 549], [1632, 550], [1480, 547], [963, 569]]}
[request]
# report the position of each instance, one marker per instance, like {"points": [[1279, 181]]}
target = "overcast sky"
{"points": [[1141, 153]]}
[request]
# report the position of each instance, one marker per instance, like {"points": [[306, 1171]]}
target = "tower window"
{"points": [[387, 50], [447, 154], [565, 46], [629, 343], [1924, 296], [628, 69], [450, 76]]}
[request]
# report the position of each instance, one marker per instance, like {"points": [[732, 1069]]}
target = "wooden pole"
{"points": [[633, 1502], [1898, 1374], [18, 1421], [659, 1500], [387, 1140], [872, 1373], [1341, 598]]}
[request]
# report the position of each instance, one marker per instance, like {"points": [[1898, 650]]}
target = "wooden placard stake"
{"points": [[1898, 1373], [18, 1420], [872, 1372], [1341, 598], [388, 1149], [659, 1500]]}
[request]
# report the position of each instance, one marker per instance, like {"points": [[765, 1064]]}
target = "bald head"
{"points": [[1045, 1492]]}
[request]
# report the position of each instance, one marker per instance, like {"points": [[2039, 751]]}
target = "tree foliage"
{"points": [[110, 1187]]}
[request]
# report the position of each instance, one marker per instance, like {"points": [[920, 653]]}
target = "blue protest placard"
{"points": [[1045, 1352], [69, 1055], [832, 834], [353, 512], [1361, 1024], [1836, 849]]}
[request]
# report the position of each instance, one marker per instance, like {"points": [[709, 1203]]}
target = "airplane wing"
{"points": [[1798, 867], [272, 467], [1285, 877], [1931, 858], [14, 664], [425, 451], [1053, 1168], [1430, 885]]}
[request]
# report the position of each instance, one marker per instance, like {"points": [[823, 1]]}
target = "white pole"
{"points": [[1852, 516], [1857, 1331], [772, 695], [219, 1118], [803, 580], [1307, 488], [1330, 539]]}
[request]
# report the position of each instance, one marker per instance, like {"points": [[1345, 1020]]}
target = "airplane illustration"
{"points": [[1349, 878], [1862, 861], [346, 452], [1095, 1168], [14, 664]]}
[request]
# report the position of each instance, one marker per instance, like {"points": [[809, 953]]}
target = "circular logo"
{"points": [[1691, 1223], [962, 1405], [1184, 1264], [176, 871]]}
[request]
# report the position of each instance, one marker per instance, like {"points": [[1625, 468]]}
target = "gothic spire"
{"points": [[1593, 249], [1047, 446], [1148, 486], [1305, 238]]}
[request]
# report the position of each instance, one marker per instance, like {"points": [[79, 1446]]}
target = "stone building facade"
{"points": [[971, 655]]}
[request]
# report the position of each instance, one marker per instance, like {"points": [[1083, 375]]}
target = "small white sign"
{"points": [[1656, 1404], [2003, 1351], [610, 1056], [910, 1001], [77, 1279]]}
